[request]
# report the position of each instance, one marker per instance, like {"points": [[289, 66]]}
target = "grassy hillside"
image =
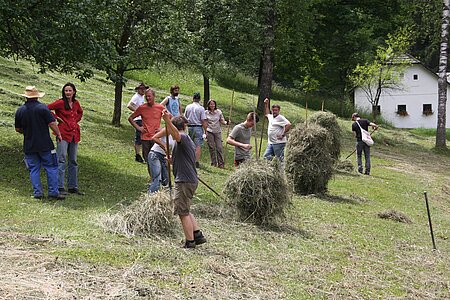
{"points": [[332, 246]]}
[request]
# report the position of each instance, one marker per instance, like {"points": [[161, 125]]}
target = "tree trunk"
{"points": [[118, 97], [442, 82], [205, 90], [266, 68]]}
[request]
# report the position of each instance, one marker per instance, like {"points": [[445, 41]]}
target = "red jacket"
{"points": [[68, 119]]}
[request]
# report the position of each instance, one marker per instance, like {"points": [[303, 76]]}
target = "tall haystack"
{"points": [[151, 214], [259, 192], [329, 121], [308, 161]]}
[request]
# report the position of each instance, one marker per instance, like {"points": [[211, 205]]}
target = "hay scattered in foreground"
{"points": [[150, 215], [395, 216]]}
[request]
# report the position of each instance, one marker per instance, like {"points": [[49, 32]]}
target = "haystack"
{"points": [[259, 192], [329, 121], [308, 161], [151, 214]]}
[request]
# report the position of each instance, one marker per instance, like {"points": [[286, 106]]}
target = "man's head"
{"points": [[355, 116], [174, 90], [196, 97], [179, 122], [250, 120], [150, 96], [275, 110], [140, 89], [31, 93]]}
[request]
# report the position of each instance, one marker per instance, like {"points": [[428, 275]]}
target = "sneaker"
{"points": [[199, 238], [75, 191], [38, 197], [189, 244], [62, 191], [197, 164], [56, 197], [139, 158]]}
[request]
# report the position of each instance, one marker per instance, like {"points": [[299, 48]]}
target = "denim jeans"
{"points": [[70, 150], [158, 168], [275, 150], [49, 161], [360, 147]]}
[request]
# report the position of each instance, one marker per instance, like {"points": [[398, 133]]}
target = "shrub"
{"points": [[309, 164], [258, 191], [328, 121]]}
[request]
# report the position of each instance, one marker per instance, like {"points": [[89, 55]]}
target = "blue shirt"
{"points": [[33, 117], [173, 105]]}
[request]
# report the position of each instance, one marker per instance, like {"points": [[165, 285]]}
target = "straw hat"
{"points": [[32, 92], [141, 86]]}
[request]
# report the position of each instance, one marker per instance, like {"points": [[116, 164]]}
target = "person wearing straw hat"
{"points": [[33, 119], [136, 101], [68, 112]]}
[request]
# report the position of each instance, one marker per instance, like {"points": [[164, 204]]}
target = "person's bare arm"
{"points": [[19, 130], [266, 107], [133, 123], [132, 106], [173, 131], [235, 143], [157, 138], [54, 127]]}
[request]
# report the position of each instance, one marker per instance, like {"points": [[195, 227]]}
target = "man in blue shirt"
{"points": [[32, 120]]}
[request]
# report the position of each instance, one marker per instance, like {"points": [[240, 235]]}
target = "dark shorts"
{"points": [[137, 136], [237, 162], [182, 200], [146, 147]]}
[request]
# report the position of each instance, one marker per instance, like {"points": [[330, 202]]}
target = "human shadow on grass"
{"points": [[103, 185]]}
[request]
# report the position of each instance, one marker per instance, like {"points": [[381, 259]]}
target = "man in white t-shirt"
{"points": [[136, 101], [276, 132]]}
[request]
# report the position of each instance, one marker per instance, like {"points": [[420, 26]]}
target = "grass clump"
{"points": [[151, 215], [309, 164], [328, 121], [394, 216], [258, 191]]}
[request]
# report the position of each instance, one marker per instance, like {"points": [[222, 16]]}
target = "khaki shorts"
{"points": [[182, 200]]}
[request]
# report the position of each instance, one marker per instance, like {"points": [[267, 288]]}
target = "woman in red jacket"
{"points": [[68, 113]]}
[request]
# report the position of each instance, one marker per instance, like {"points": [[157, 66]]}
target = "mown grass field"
{"points": [[332, 246]]}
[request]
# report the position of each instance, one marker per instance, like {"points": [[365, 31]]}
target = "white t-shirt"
{"points": [[157, 148], [276, 128], [138, 100]]}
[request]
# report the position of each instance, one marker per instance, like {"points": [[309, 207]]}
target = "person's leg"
{"points": [[138, 143], [219, 149], [359, 149], [61, 151], [367, 159], [146, 146], [211, 147], [164, 171], [72, 169], [50, 164], [278, 150], [269, 153], [188, 228], [33, 163], [155, 171]]}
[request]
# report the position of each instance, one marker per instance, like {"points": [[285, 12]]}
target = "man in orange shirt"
{"points": [[150, 113]]}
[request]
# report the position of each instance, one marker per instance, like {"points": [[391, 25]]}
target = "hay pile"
{"points": [[394, 216], [329, 121], [308, 161], [150, 215], [258, 191]]}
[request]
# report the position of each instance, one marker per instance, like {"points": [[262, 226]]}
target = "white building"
{"points": [[414, 105]]}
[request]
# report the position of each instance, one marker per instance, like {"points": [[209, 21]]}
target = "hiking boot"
{"points": [[75, 191], [56, 197], [139, 158], [189, 245], [199, 238], [38, 197], [62, 191]]}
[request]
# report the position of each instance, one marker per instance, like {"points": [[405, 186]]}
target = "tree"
{"points": [[385, 71], [442, 82]]}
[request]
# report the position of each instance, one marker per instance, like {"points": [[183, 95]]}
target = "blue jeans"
{"points": [[65, 149], [275, 150], [158, 169], [49, 161], [360, 147]]}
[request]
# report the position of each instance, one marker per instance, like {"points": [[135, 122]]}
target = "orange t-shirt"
{"points": [[151, 119]]}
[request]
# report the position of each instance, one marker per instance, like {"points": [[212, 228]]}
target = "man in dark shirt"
{"points": [[186, 180], [32, 120], [360, 145]]}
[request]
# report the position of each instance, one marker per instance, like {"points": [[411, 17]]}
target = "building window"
{"points": [[376, 109], [401, 110], [415, 77], [427, 110]]}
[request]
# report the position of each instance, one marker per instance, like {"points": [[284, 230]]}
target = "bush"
{"points": [[309, 164], [258, 191], [328, 121], [151, 215]]}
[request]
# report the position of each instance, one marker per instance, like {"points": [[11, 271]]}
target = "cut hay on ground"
{"points": [[309, 164], [148, 216], [394, 216], [328, 121], [258, 191]]}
